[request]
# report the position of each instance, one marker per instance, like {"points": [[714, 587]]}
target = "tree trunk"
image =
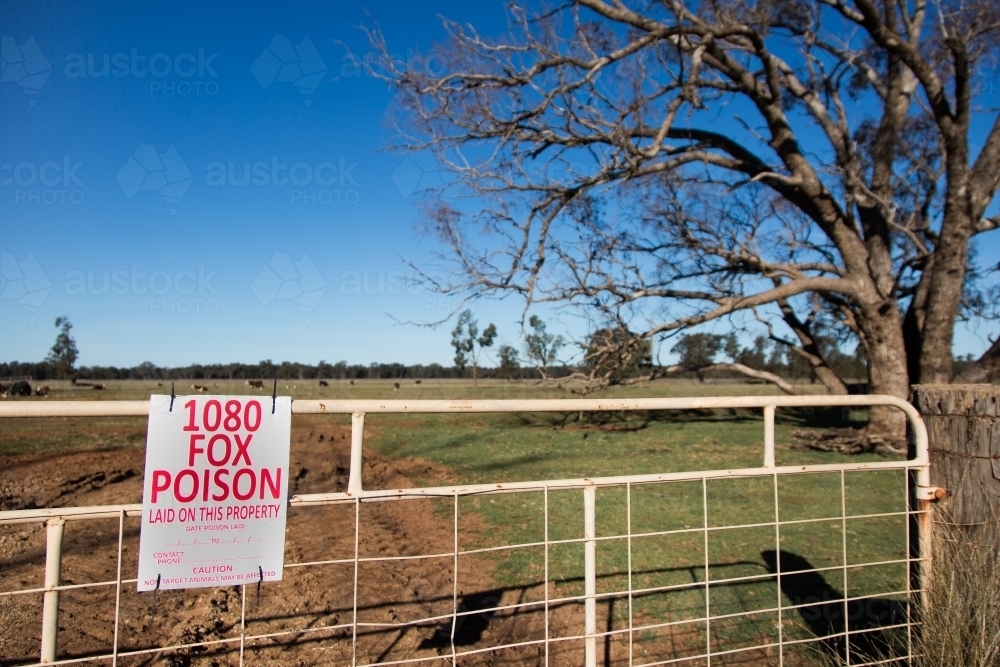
{"points": [[939, 325], [883, 338], [963, 425], [834, 385], [950, 256]]}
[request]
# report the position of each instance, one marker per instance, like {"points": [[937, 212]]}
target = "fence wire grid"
{"points": [[773, 565]]}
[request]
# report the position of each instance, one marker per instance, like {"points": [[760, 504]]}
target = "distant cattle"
{"points": [[20, 388], [159, 384], [199, 387], [395, 386], [352, 383], [98, 387], [416, 382], [324, 383], [256, 384], [43, 391], [3, 390]]}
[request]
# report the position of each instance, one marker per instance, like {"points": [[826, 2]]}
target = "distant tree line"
{"points": [[788, 367], [285, 370], [605, 354]]}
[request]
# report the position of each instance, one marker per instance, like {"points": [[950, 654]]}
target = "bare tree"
{"points": [[803, 164]]}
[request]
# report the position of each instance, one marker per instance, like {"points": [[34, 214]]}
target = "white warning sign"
{"points": [[214, 496]]}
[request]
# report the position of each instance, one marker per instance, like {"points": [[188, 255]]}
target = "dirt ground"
{"points": [[301, 613]]}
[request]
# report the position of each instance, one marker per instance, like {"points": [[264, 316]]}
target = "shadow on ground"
{"points": [[869, 622]]}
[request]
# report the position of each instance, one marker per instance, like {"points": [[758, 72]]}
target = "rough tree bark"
{"points": [[963, 424]]}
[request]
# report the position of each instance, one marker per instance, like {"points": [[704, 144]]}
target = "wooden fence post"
{"points": [[963, 427]]}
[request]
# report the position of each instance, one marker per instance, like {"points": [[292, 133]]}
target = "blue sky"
{"points": [[126, 204], [301, 261]]}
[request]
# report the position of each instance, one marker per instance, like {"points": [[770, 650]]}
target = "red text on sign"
{"points": [[190, 485]]}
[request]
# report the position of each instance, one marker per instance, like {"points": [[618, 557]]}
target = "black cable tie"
{"points": [[260, 569], [153, 610], [274, 395], [172, 396]]}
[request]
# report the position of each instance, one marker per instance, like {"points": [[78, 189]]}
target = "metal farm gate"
{"points": [[696, 613]]}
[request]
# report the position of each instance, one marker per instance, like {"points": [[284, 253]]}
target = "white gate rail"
{"points": [[55, 518]]}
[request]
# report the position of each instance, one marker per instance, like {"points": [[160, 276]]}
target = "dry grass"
{"points": [[961, 628]]}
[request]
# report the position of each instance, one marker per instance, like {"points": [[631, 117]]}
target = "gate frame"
{"points": [[55, 518]]}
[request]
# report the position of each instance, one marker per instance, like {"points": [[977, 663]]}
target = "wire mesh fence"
{"points": [[771, 565]]}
